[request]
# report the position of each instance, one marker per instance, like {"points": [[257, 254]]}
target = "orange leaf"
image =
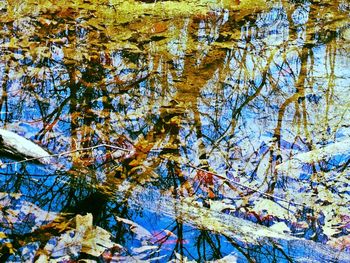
{"points": [[211, 194], [205, 176], [159, 27]]}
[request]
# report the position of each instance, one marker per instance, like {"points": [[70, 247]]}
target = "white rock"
{"points": [[14, 144]]}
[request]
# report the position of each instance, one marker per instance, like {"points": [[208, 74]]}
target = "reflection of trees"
{"points": [[237, 105]]}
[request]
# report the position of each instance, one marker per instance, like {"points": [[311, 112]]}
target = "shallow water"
{"points": [[190, 120]]}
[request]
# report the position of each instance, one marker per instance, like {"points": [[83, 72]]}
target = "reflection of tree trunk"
{"points": [[3, 99], [73, 107], [296, 98], [331, 55], [194, 79], [72, 197], [179, 247]]}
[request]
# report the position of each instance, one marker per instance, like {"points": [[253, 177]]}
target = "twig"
{"points": [[66, 153], [245, 186]]}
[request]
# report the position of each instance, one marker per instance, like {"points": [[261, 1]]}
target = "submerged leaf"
{"points": [[96, 241], [141, 232], [323, 153], [86, 238], [22, 215], [271, 208]]}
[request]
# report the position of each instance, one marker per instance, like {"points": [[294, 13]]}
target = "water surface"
{"points": [[186, 131]]}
